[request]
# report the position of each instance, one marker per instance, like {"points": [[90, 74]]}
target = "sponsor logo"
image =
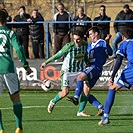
{"points": [[23, 76], [79, 56], [50, 72]]}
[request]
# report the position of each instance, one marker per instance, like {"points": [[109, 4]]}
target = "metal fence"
{"points": [[47, 29]]}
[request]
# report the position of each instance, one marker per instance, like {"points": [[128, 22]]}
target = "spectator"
{"points": [[8, 19], [37, 34], [82, 26], [104, 27], [22, 30], [125, 14], [61, 30]]}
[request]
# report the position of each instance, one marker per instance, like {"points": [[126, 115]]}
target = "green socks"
{"points": [[83, 101], [1, 125], [17, 109], [57, 98]]}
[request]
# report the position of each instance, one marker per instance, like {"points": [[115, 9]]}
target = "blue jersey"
{"points": [[126, 50], [97, 53]]}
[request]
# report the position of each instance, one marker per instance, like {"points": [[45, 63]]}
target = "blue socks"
{"points": [[92, 100], [109, 102], [79, 89]]}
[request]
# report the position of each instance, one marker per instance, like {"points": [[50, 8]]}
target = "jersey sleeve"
{"points": [[19, 50], [121, 49], [107, 48], [60, 53]]}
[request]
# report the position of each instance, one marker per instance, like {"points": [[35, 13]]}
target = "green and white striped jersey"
{"points": [[8, 41], [75, 57]]}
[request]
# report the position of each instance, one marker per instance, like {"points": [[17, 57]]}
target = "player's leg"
{"points": [[1, 89], [59, 95], [95, 102], [79, 88], [56, 99], [1, 124], [86, 96], [83, 102], [109, 103], [67, 80], [124, 80], [17, 109], [88, 74], [13, 86], [92, 99]]}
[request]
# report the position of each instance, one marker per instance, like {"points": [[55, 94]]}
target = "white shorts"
{"points": [[68, 78], [10, 81]]}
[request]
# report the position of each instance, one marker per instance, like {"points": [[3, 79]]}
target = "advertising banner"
{"points": [[52, 72]]}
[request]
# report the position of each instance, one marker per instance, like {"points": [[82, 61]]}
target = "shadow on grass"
{"points": [[122, 115], [63, 120], [78, 120]]}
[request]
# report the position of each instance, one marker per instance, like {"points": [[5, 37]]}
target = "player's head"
{"points": [[94, 33], [127, 33], [3, 17], [78, 37]]}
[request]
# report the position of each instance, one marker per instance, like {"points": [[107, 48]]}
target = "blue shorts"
{"points": [[126, 78], [93, 75]]}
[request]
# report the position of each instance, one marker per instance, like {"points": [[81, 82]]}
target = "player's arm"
{"points": [[58, 55], [20, 52], [86, 60], [117, 66], [109, 49]]}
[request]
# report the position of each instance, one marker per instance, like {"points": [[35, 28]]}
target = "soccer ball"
{"points": [[47, 85]]}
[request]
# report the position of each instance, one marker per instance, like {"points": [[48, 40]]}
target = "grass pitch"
{"points": [[63, 119]]}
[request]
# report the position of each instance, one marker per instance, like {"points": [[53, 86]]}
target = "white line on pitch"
{"points": [[28, 107]]}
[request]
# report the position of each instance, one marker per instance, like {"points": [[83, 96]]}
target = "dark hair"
{"points": [[61, 4], [80, 7], [35, 10], [78, 33], [127, 33], [94, 29], [126, 6], [22, 7], [3, 9], [3, 16], [103, 6]]}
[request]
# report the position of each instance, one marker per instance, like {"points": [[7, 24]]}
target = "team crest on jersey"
{"points": [[79, 56]]}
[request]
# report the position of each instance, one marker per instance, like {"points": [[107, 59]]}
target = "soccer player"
{"points": [[8, 76], [125, 79], [98, 52], [75, 54]]}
